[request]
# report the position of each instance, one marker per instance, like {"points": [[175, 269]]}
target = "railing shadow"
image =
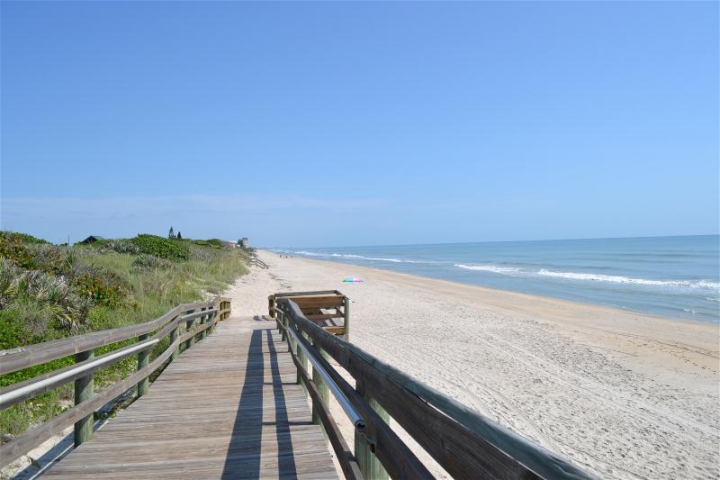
{"points": [[286, 457], [243, 455], [243, 458]]}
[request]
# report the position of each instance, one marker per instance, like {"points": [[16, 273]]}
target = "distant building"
{"points": [[92, 239], [244, 243]]}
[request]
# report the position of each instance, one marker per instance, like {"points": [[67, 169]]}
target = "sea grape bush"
{"points": [[168, 249]]}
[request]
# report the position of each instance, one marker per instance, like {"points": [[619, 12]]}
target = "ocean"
{"points": [[676, 277]]}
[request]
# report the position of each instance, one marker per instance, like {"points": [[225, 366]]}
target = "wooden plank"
{"points": [[244, 417], [318, 302], [335, 329], [323, 316]]}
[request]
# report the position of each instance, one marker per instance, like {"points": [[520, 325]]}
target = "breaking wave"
{"points": [[360, 257], [592, 277]]}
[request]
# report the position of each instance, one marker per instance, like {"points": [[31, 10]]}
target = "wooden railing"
{"points": [[325, 308], [184, 325], [465, 443]]}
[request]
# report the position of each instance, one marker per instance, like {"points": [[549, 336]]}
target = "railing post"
{"points": [[346, 313], [188, 326], [173, 338], [84, 387], [143, 361], [203, 321], [210, 318], [368, 463], [271, 304], [292, 345], [322, 389], [283, 322], [304, 362]]}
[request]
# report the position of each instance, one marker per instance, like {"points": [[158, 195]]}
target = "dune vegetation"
{"points": [[49, 292]]}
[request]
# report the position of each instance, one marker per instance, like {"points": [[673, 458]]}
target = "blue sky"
{"points": [[332, 124]]}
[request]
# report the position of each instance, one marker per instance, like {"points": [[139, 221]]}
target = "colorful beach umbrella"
{"points": [[352, 280]]}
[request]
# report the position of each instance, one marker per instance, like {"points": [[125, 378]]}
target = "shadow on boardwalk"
{"points": [[246, 444], [229, 407]]}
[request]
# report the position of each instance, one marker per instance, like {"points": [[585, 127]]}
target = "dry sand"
{"points": [[623, 395]]}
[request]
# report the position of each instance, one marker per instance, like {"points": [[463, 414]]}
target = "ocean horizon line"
{"points": [[473, 242]]}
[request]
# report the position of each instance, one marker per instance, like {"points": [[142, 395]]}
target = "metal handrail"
{"points": [[344, 402]]}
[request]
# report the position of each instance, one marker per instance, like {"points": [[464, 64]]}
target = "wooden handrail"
{"points": [[28, 356], [465, 443], [170, 324]]}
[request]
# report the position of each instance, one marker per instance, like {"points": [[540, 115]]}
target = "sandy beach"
{"points": [[623, 395]]}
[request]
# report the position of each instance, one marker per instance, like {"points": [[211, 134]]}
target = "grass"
{"points": [[49, 292]]}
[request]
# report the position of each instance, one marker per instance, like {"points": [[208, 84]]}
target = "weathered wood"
{"points": [[173, 340], [33, 387], [347, 461], [143, 360], [304, 362], [461, 451], [335, 330], [322, 389], [243, 418], [306, 293], [346, 323], [83, 412], [369, 464], [397, 458], [320, 318], [28, 356], [31, 355], [36, 435], [318, 302], [189, 323], [84, 390]]}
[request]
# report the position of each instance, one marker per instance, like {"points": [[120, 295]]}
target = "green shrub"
{"points": [[121, 246], [162, 247], [103, 286], [151, 262], [12, 331], [216, 242], [22, 237], [14, 248]]}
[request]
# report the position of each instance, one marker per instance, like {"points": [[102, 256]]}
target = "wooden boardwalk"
{"points": [[227, 408]]}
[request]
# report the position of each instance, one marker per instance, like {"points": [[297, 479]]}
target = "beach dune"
{"points": [[620, 394]]}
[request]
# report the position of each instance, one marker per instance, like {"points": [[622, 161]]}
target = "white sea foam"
{"points": [[595, 277], [360, 257], [491, 268]]}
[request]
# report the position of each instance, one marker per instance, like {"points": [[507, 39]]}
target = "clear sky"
{"points": [[334, 124]]}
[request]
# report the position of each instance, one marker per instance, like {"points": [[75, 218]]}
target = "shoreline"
{"points": [[558, 307], [621, 394], [659, 291]]}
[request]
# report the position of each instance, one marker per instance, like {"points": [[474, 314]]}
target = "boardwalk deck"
{"points": [[228, 407]]}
